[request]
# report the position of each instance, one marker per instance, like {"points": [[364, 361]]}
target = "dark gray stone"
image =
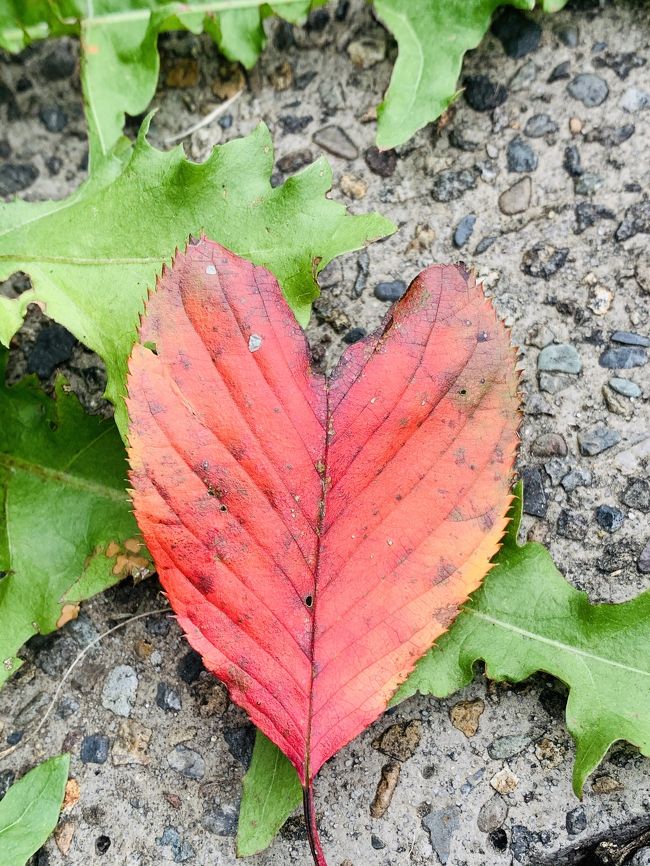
{"points": [[643, 562], [623, 358], [568, 35], [535, 498], [381, 162], [189, 667], [483, 94], [294, 161], [609, 518], [572, 162], [15, 177], [590, 89], [94, 749], [577, 477], [354, 335], [59, 63], [628, 338], [291, 124], [610, 136], [6, 781], [377, 843], [561, 72], [188, 762], [441, 826], [484, 244], [464, 229], [637, 494], [616, 555], [181, 851], [221, 820], [576, 821], [522, 841], [519, 34], [588, 214], [543, 260], [597, 439], [621, 63], [449, 185], [168, 699], [539, 125], [53, 118], [635, 222], [390, 290], [240, 740], [588, 183], [571, 525], [520, 156]]}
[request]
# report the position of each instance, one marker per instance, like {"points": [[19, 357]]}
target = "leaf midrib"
{"points": [[564, 647], [61, 477]]}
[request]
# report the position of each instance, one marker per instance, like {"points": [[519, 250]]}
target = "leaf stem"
{"points": [[312, 826]]}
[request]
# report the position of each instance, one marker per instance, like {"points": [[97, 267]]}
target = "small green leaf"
{"points": [[93, 257], [525, 618], [553, 5], [30, 809], [272, 792], [65, 513], [432, 37]]}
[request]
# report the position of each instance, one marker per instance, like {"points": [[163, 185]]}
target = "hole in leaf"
{"points": [[223, 507], [309, 600], [151, 346], [463, 392]]}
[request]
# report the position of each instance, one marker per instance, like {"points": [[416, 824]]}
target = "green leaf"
{"points": [[525, 618], [30, 809], [432, 37], [271, 793], [119, 53], [553, 5], [62, 480], [93, 256]]}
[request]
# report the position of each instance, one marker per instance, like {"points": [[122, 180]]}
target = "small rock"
{"points": [[589, 89], [120, 689], [385, 789], [94, 749], [168, 699], [189, 667], [539, 125], [599, 299], [464, 229], [181, 851], [336, 141], [643, 562], [390, 290], [381, 162], [523, 77], [597, 439], [576, 821], [616, 404], [588, 183], [492, 814], [281, 76], [520, 156], [572, 162], [522, 841], [449, 185], [240, 740], [367, 52], [400, 741], [131, 744], [622, 64], [516, 199], [53, 118], [578, 477], [549, 445], [293, 125], [553, 384], [543, 260], [637, 494], [559, 358], [641, 857], [535, 498], [609, 518], [441, 826], [588, 214], [505, 781], [353, 186], [507, 746], [623, 358], [571, 525], [188, 762], [631, 460], [561, 72], [519, 34], [625, 387], [294, 161], [7, 778], [610, 136], [548, 753], [606, 785], [568, 35], [465, 716], [377, 843], [221, 820], [627, 338], [485, 244], [634, 100], [363, 269], [483, 94], [354, 335], [59, 63], [15, 177], [635, 222]]}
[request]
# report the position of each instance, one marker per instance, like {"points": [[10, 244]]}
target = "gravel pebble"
{"points": [[120, 690], [188, 762], [463, 231], [609, 518], [381, 162], [635, 222], [559, 358], [590, 89], [625, 387], [516, 199], [94, 749], [543, 260], [168, 698], [519, 34], [441, 826], [597, 439], [449, 185], [483, 94], [539, 125], [637, 494], [336, 141], [571, 525], [535, 498], [492, 814], [634, 100], [390, 290], [520, 156], [576, 821], [623, 358]]}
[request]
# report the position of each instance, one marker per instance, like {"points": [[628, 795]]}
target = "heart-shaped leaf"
{"points": [[315, 536]]}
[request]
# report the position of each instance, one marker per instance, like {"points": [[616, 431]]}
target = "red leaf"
{"points": [[316, 536]]}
